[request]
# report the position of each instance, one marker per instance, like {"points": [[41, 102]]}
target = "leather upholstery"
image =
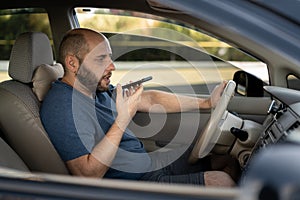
{"points": [[43, 76], [19, 106], [9, 159]]}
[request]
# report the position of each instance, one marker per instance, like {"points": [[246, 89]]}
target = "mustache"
{"points": [[107, 75]]}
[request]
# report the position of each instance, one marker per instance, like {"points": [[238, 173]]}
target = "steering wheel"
{"points": [[212, 130]]}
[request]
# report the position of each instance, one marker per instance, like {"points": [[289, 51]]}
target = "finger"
{"points": [[224, 83], [137, 95], [139, 90], [131, 90], [126, 92], [119, 90], [221, 86]]}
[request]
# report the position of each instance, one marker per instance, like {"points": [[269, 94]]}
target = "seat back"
{"points": [[19, 106], [9, 158]]}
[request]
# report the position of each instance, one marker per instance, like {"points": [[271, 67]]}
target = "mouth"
{"points": [[106, 78]]}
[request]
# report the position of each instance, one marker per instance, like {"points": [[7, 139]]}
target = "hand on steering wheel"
{"points": [[212, 132]]}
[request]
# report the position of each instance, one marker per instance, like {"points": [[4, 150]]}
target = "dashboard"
{"points": [[272, 170], [283, 124]]}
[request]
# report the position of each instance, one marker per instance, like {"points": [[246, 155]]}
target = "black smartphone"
{"points": [[136, 83], [130, 85]]}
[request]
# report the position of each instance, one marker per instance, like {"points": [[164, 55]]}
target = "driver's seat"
{"points": [[19, 105]]}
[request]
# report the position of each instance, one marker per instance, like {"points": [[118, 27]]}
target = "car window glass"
{"points": [[179, 56], [293, 82], [14, 22]]}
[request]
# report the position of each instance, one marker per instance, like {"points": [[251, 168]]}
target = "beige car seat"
{"points": [[9, 158], [20, 100]]}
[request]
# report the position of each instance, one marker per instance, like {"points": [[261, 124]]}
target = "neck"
{"points": [[78, 86], [67, 81]]}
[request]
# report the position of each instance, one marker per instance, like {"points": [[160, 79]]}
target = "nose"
{"points": [[111, 66]]}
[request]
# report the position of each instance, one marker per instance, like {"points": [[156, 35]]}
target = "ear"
{"points": [[72, 63]]}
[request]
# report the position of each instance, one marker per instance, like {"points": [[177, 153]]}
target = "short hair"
{"points": [[74, 44]]}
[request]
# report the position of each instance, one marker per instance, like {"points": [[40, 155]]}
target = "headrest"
{"points": [[30, 50], [43, 76]]}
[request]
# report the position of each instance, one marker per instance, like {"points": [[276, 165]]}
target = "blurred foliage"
{"points": [[118, 21], [16, 21]]}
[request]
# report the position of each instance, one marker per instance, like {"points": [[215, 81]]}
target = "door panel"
{"points": [[177, 129], [170, 130]]}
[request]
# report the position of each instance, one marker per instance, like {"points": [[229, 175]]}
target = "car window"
{"points": [[16, 21], [180, 57]]}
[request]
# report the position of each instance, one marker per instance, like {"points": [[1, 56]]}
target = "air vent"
{"points": [[293, 133]]}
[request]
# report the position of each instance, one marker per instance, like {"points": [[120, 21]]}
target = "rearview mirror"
{"points": [[248, 85]]}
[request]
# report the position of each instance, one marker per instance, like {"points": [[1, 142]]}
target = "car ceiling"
{"points": [[287, 8]]}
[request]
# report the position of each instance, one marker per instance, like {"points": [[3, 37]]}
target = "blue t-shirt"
{"points": [[76, 123]]}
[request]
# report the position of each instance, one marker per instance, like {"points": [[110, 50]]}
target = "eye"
{"points": [[102, 57]]}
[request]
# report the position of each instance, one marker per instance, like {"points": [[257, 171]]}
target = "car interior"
{"points": [[252, 114], [22, 96]]}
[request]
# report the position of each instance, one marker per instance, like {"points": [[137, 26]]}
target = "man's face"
{"points": [[97, 67]]}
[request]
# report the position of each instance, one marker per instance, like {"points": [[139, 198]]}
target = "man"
{"points": [[89, 128]]}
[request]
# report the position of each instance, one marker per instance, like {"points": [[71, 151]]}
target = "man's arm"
{"points": [[98, 161], [159, 101]]}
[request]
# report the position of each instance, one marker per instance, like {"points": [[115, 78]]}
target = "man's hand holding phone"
{"points": [[126, 106], [132, 86], [127, 101]]}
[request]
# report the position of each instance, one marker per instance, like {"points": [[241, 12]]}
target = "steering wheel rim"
{"points": [[210, 135]]}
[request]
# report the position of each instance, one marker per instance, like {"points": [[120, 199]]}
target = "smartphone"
{"points": [[136, 83], [131, 85]]}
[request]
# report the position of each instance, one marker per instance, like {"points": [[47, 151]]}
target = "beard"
{"points": [[88, 79], [103, 85], [102, 89]]}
